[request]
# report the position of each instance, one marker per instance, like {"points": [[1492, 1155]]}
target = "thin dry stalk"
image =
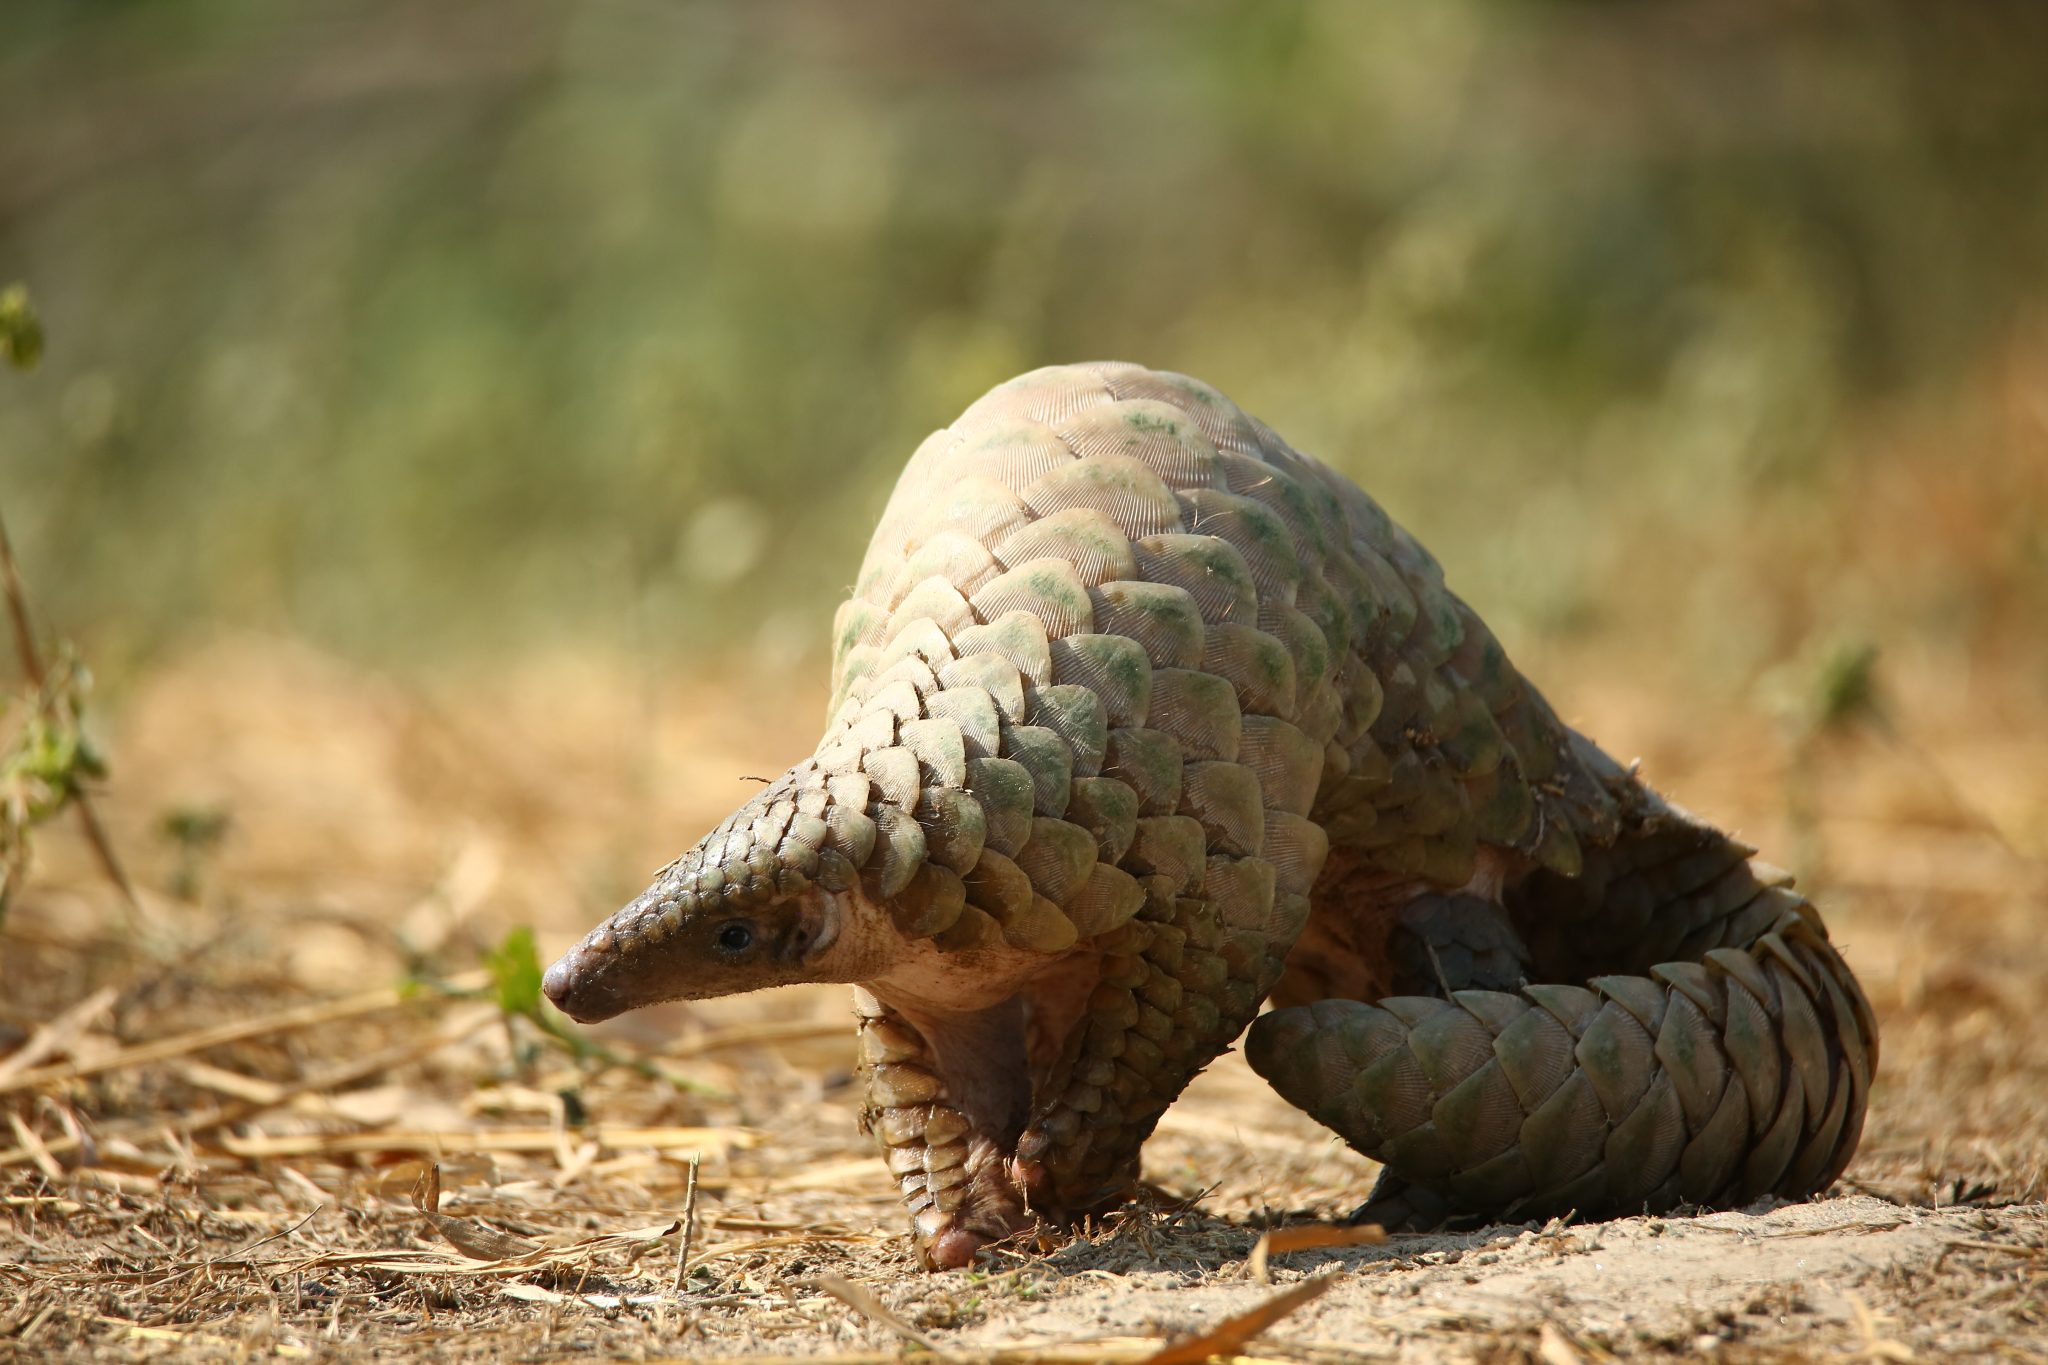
{"points": [[689, 1224]]}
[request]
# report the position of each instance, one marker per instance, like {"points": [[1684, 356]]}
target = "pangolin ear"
{"points": [[817, 918]]}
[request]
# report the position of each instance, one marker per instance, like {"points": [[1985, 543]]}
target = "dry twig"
{"points": [[689, 1224]]}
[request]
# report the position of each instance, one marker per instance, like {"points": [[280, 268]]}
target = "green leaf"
{"points": [[21, 331], [514, 967], [194, 827], [1846, 688]]}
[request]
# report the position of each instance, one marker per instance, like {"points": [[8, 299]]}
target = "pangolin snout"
{"points": [[753, 905], [576, 986]]}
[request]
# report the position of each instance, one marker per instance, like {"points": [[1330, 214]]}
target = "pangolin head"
{"points": [[766, 899]]}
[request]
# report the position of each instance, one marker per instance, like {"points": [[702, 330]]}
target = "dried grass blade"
{"points": [[466, 1235], [872, 1308], [38, 1151], [60, 1035], [283, 1021], [481, 1241], [233, 1084], [434, 1141], [1310, 1237], [1232, 1334], [316, 1082], [402, 1262]]}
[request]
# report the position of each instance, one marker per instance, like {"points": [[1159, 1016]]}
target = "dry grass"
{"points": [[230, 1130], [275, 1110]]}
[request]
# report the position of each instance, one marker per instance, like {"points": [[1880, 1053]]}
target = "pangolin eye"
{"points": [[736, 937]]}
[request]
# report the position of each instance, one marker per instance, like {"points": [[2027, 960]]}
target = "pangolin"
{"points": [[1141, 719]]}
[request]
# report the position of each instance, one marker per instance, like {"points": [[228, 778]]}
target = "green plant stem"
{"points": [[32, 666]]}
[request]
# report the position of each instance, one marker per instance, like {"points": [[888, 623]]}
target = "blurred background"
{"points": [[459, 419]]}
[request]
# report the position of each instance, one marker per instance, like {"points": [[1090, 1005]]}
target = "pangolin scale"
{"points": [[1140, 719]]}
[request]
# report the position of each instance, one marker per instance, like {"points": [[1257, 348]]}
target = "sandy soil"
{"points": [[225, 1106]]}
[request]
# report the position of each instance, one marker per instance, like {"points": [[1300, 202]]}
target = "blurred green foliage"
{"points": [[21, 331], [429, 327], [46, 760], [514, 969]]}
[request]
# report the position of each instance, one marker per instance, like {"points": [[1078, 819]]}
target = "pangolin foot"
{"points": [[1399, 1205], [950, 1239], [1063, 1202]]}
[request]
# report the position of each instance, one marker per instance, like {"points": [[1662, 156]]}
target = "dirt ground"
{"points": [[225, 1113]]}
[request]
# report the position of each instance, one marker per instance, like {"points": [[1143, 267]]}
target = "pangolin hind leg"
{"points": [[1735, 1066], [1372, 937]]}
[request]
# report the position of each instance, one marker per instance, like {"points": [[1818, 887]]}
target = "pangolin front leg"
{"points": [[1177, 984], [947, 1096]]}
